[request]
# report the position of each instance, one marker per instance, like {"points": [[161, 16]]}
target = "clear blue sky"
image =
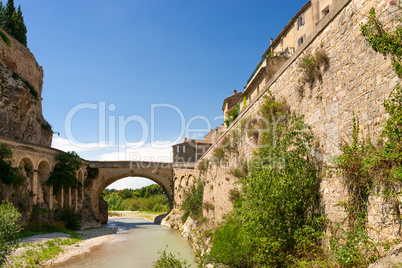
{"points": [[133, 54]]}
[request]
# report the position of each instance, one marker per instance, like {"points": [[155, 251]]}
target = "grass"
{"points": [[5, 38], [32, 90], [44, 229], [35, 255], [46, 126]]}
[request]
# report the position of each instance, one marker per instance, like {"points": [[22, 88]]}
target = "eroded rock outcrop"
{"points": [[21, 81]]}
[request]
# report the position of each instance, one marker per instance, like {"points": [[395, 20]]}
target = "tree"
{"points": [[64, 174], [20, 28], [8, 14], [12, 21], [2, 15]]}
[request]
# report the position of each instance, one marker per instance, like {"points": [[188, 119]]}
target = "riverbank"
{"points": [[149, 216], [69, 249]]}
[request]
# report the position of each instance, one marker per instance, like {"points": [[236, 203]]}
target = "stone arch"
{"points": [[26, 159], [182, 181], [190, 181], [41, 161], [26, 170], [111, 180], [45, 195], [27, 192]]}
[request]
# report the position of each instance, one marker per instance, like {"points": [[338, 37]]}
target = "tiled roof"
{"points": [[196, 141], [232, 100]]}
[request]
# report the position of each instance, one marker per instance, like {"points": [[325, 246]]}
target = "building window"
{"points": [[300, 21], [184, 148], [325, 11], [301, 40], [178, 149]]}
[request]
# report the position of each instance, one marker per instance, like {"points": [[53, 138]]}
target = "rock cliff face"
{"points": [[20, 95]]}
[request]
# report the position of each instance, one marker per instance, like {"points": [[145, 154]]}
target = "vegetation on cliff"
{"points": [[149, 198], [12, 21]]}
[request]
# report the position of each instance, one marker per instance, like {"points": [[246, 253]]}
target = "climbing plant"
{"points": [[368, 168], [64, 174], [386, 42]]}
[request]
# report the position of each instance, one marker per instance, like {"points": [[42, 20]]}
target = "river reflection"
{"points": [[135, 245]]}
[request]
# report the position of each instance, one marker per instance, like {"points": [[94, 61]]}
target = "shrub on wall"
{"points": [[193, 200], [64, 174], [310, 67], [8, 173]]}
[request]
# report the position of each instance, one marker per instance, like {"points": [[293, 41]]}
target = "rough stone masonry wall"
{"points": [[356, 81]]}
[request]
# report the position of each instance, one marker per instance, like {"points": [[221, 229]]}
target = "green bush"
{"points": [[9, 229], [169, 260], [193, 200], [8, 173], [70, 218], [280, 198]]}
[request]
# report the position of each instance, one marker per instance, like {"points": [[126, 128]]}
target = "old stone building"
{"points": [[190, 150], [230, 104], [293, 35]]}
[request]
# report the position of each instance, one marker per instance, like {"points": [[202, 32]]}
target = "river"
{"points": [[135, 245]]}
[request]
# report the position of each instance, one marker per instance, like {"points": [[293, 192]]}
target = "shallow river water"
{"points": [[135, 245]]}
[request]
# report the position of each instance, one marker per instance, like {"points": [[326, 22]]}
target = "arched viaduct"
{"points": [[36, 162]]}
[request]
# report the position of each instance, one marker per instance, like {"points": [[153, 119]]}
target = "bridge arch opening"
{"points": [[136, 194], [26, 169], [43, 175]]}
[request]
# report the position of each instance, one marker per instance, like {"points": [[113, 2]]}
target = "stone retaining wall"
{"points": [[356, 81]]}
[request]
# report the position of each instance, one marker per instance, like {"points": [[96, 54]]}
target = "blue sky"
{"points": [[108, 63]]}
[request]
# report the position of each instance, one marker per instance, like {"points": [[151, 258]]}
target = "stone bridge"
{"points": [[111, 171]]}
